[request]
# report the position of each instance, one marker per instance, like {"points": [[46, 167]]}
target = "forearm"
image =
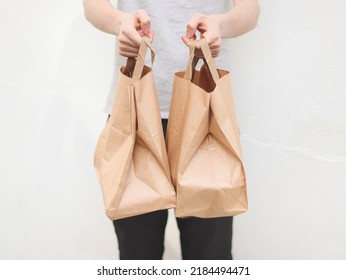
{"points": [[242, 18], [103, 15]]}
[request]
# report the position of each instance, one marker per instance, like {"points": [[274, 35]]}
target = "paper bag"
{"points": [[130, 158], [203, 142]]}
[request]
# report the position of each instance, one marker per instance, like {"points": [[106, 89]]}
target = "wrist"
{"points": [[221, 22]]}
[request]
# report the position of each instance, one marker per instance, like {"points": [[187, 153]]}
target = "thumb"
{"points": [[193, 24], [149, 35], [206, 36], [144, 21], [191, 28], [185, 40]]}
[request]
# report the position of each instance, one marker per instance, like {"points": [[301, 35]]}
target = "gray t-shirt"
{"points": [[168, 23]]}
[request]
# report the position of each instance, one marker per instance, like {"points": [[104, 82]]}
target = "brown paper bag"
{"points": [[130, 157], [203, 142]]}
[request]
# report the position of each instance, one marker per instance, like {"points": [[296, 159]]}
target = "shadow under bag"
{"points": [[130, 158], [203, 142]]}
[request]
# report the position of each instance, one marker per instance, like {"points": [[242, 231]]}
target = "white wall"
{"points": [[290, 91]]}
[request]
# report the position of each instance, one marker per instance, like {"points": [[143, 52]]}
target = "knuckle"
{"points": [[124, 33], [121, 47], [141, 11], [198, 16], [191, 24], [121, 41]]}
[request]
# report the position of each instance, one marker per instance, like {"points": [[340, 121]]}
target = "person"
{"points": [[167, 23]]}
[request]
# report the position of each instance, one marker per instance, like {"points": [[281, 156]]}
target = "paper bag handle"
{"points": [[134, 65], [209, 61]]}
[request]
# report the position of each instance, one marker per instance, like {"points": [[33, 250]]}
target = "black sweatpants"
{"points": [[142, 237]]}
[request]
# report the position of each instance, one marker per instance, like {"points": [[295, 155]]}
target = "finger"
{"points": [[150, 35], [215, 53], [144, 20], [128, 54], [211, 38], [198, 51], [215, 48], [186, 40], [126, 48], [193, 24], [127, 45], [214, 43], [130, 36]]}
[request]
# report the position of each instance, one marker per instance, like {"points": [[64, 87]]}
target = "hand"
{"points": [[209, 27], [133, 26]]}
